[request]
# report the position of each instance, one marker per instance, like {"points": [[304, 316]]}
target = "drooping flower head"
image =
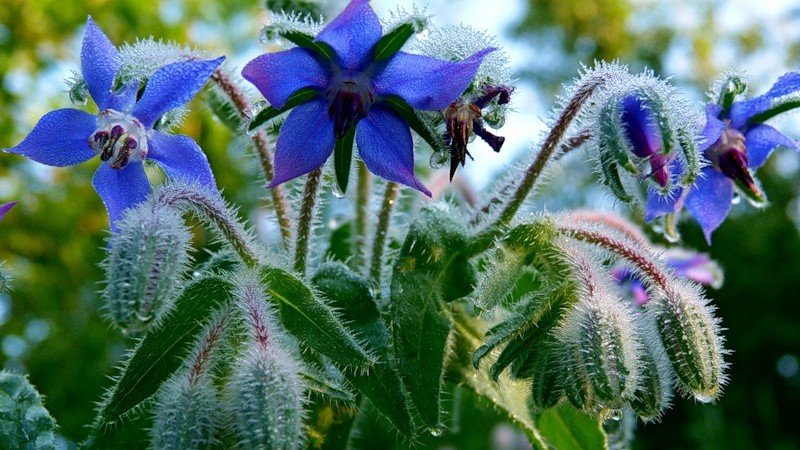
{"points": [[5, 208], [735, 141], [698, 267], [351, 82], [123, 133]]}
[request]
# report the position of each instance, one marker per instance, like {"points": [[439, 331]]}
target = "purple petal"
{"points": [[61, 138], [305, 141], [640, 127], [121, 189], [181, 158], [761, 140], [427, 83], [6, 207], [279, 75], [659, 204], [352, 34], [171, 86], [709, 201], [99, 63], [385, 146], [742, 111], [714, 127]]}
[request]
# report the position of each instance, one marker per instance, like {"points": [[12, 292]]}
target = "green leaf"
{"points": [[393, 41], [343, 158], [163, 349], [566, 428], [351, 294], [416, 123], [527, 313], [307, 41], [313, 321], [332, 388], [24, 421], [304, 95]]}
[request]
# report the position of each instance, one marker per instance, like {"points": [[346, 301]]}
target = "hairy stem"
{"points": [[382, 229], [211, 209], [239, 100], [306, 219], [549, 147], [361, 221]]}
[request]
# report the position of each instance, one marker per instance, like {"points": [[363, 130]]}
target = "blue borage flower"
{"points": [[5, 208], [353, 90], [122, 133], [734, 140]]}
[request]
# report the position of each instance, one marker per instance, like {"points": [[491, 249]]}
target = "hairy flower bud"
{"points": [[546, 388], [654, 392], [692, 340], [24, 421], [144, 266], [185, 416], [265, 399], [602, 354]]}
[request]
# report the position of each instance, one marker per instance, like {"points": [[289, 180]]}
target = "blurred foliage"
{"points": [[52, 325]]}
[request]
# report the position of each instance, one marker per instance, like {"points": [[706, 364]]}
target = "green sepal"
{"points": [[525, 316], [613, 140], [393, 41], [691, 156], [732, 87], [303, 95], [163, 349], [331, 387], [609, 170], [776, 109], [459, 279], [343, 158], [426, 132], [308, 42], [312, 320]]}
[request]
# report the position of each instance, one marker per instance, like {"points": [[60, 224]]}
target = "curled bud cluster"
{"points": [[582, 337], [144, 266]]}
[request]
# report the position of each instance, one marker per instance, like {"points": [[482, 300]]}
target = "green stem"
{"points": [[549, 148], [239, 100], [361, 221], [382, 229], [306, 219]]}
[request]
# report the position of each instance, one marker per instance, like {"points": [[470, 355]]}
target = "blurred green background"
{"points": [[52, 326]]}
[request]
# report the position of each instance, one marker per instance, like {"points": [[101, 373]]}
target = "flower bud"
{"points": [[692, 341], [265, 398], [24, 421], [602, 354], [144, 266], [654, 392], [185, 414]]}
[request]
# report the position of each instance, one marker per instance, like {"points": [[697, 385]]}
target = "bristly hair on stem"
{"points": [[382, 229], [306, 219]]}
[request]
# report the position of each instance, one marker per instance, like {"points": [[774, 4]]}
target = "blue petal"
{"points": [[121, 189], [640, 127], [659, 204], [305, 141], [742, 111], [171, 86], [181, 158], [61, 138], [761, 140], [385, 146], [99, 63], [353, 34], [427, 83], [279, 75], [714, 127], [6, 207], [709, 201]]}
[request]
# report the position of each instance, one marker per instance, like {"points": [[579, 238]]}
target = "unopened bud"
{"points": [[144, 266], [186, 414]]}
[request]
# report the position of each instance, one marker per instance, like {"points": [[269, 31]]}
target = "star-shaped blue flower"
{"points": [[352, 89], [5, 208], [122, 133], [735, 141]]}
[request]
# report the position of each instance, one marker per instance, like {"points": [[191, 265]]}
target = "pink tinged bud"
{"points": [[729, 156], [119, 139], [658, 169]]}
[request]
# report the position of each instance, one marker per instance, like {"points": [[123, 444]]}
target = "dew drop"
{"points": [[436, 431], [438, 159], [736, 198], [338, 192]]}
